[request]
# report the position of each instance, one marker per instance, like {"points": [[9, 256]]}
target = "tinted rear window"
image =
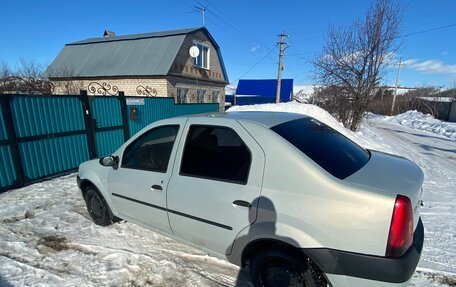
{"points": [[328, 148]]}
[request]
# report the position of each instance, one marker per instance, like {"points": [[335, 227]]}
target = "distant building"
{"points": [[249, 92], [152, 64]]}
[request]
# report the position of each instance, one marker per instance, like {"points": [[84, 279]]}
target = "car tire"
{"points": [[281, 268], [97, 207]]}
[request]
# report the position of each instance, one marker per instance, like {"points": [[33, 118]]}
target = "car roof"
{"points": [[268, 119]]}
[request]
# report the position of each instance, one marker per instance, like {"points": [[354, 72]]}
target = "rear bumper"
{"points": [[393, 270]]}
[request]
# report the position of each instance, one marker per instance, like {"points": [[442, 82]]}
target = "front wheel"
{"points": [[97, 207], [274, 268]]}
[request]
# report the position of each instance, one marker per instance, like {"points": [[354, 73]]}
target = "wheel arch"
{"points": [[90, 179], [84, 184], [267, 243]]}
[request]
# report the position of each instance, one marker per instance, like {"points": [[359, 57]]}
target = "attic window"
{"points": [[202, 61]]}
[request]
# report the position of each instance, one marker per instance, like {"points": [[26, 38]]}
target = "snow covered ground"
{"points": [[420, 121], [47, 238]]}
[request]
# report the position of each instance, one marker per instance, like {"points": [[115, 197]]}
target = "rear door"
{"points": [[217, 176]]}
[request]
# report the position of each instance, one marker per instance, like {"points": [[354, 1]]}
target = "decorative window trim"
{"points": [[200, 96], [215, 97], [182, 99]]}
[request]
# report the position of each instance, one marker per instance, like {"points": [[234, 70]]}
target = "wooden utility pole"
{"points": [[283, 46], [397, 83]]}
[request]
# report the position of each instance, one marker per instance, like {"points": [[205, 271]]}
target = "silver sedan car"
{"points": [[283, 194]]}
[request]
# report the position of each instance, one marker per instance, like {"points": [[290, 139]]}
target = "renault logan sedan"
{"points": [[282, 193]]}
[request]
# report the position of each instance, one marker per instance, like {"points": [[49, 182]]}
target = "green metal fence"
{"points": [[45, 136]]}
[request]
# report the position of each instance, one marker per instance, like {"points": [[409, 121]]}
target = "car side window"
{"points": [[217, 153], [152, 150]]}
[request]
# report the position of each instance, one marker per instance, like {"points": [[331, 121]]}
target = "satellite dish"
{"points": [[194, 51]]}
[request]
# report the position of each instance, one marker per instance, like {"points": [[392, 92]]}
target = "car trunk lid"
{"points": [[393, 175]]}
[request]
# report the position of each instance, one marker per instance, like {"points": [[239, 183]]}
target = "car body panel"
{"points": [[393, 175], [132, 190], [313, 196], [212, 200]]}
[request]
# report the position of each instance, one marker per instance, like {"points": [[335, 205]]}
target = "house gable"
{"points": [[183, 63]]}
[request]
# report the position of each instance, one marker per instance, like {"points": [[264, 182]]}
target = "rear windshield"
{"points": [[328, 148]]}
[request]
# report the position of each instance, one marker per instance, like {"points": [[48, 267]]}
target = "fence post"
{"points": [[88, 124], [124, 111], [12, 139]]}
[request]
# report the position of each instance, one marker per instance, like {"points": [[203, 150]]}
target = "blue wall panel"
{"points": [[46, 115], [108, 142], [7, 172], [54, 155], [106, 111]]}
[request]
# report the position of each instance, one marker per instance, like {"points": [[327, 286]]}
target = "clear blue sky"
{"points": [[245, 30]]}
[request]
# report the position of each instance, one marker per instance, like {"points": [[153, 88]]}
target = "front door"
{"points": [[138, 186], [216, 179]]}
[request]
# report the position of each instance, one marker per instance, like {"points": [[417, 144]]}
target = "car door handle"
{"points": [[242, 203], [156, 187]]}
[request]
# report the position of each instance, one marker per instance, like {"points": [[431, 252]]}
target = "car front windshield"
{"points": [[331, 150]]}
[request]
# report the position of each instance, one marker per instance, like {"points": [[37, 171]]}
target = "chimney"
{"points": [[108, 33]]}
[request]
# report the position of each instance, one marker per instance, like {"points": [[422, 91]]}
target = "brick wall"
{"points": [[174, 83], [129, 86]]}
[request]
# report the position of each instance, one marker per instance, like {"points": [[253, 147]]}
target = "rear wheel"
{"points": [[274, 268], [97, 207]]}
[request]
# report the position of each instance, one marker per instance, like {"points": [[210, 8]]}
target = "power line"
{"points": [[234, 24], [254, 65], [425, 31]]}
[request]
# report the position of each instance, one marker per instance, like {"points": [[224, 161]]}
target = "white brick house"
{"points": [[152, 64]]}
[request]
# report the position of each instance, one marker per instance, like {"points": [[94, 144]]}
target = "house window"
{"points": [[215, 96], [181, 95], [200, 96], [202, 60]]}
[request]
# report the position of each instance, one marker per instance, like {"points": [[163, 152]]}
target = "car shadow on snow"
{"points": [[4, 282], [264, 214]]}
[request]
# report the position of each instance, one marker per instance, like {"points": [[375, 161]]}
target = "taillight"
{"points": [[401, 230]]}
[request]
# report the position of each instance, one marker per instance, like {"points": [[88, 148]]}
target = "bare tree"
{"points": [[332, 99], [31, 69], [28, 78], [354, 58], [64, 81], [5, 71]]}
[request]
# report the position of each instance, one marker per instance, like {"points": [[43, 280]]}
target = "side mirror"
{"points": [[109, 160]]}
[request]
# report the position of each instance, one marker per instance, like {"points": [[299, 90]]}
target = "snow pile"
{"points": [[420, 121], [319, 114]]}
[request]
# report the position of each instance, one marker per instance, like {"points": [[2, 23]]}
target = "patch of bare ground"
{"points": [[444, 279], [54, 242]]}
